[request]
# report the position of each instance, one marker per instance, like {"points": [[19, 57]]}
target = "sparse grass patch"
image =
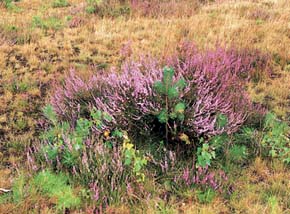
{"points": [[26, 192], [60, 3], [52, 23], [9, 4], [56, 187]]}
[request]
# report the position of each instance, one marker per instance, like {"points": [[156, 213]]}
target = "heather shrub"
{"points": [[203, 94], [202, 178], [218, 78], [105, 163], [246, 64], [180, 175], [193, 102], [128, 96]]}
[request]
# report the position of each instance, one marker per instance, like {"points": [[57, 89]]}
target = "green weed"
{"points": [[60, 3], [275, 138]]}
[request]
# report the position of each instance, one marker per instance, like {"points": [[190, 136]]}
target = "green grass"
{"points": [[60, 3]]}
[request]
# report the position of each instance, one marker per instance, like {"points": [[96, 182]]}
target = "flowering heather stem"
{"points": [[215, 86]]}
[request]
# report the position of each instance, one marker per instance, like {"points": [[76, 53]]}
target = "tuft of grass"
{"points": [[9, 4], [60, 3], [18, 189], [238, 153], [56, 186], [52, 23]]}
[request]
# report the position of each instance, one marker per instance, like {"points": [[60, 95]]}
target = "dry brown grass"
{"points": [[274, 94]]}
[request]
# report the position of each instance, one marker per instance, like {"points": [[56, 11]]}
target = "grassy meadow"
{"points": [[56, 138]]}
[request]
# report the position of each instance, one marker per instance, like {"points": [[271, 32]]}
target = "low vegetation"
{"points": [[132, 107]]}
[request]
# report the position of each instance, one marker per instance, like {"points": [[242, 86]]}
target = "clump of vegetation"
{"points": [[153, 136], [9, 4], [60, 3], [53, 186], [269, 139], [194, 106], [108, 8], [92, 5], [53, 23], [105, 162], [275, 138], [202, 96], [56, 186]]}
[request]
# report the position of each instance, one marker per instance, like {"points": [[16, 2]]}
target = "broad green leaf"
{"points": [[273, 153], [205, 147], [117, 133], [127, 161], [109, 144]]}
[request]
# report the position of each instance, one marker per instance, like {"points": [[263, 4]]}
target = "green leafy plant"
{"points": [[275, 138], [206, 196], [207, 151], [100, 118], [169, 90], [205, 154], [216, 145], [50, 114], [134, 158], [221, 120], [93, 155]]}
